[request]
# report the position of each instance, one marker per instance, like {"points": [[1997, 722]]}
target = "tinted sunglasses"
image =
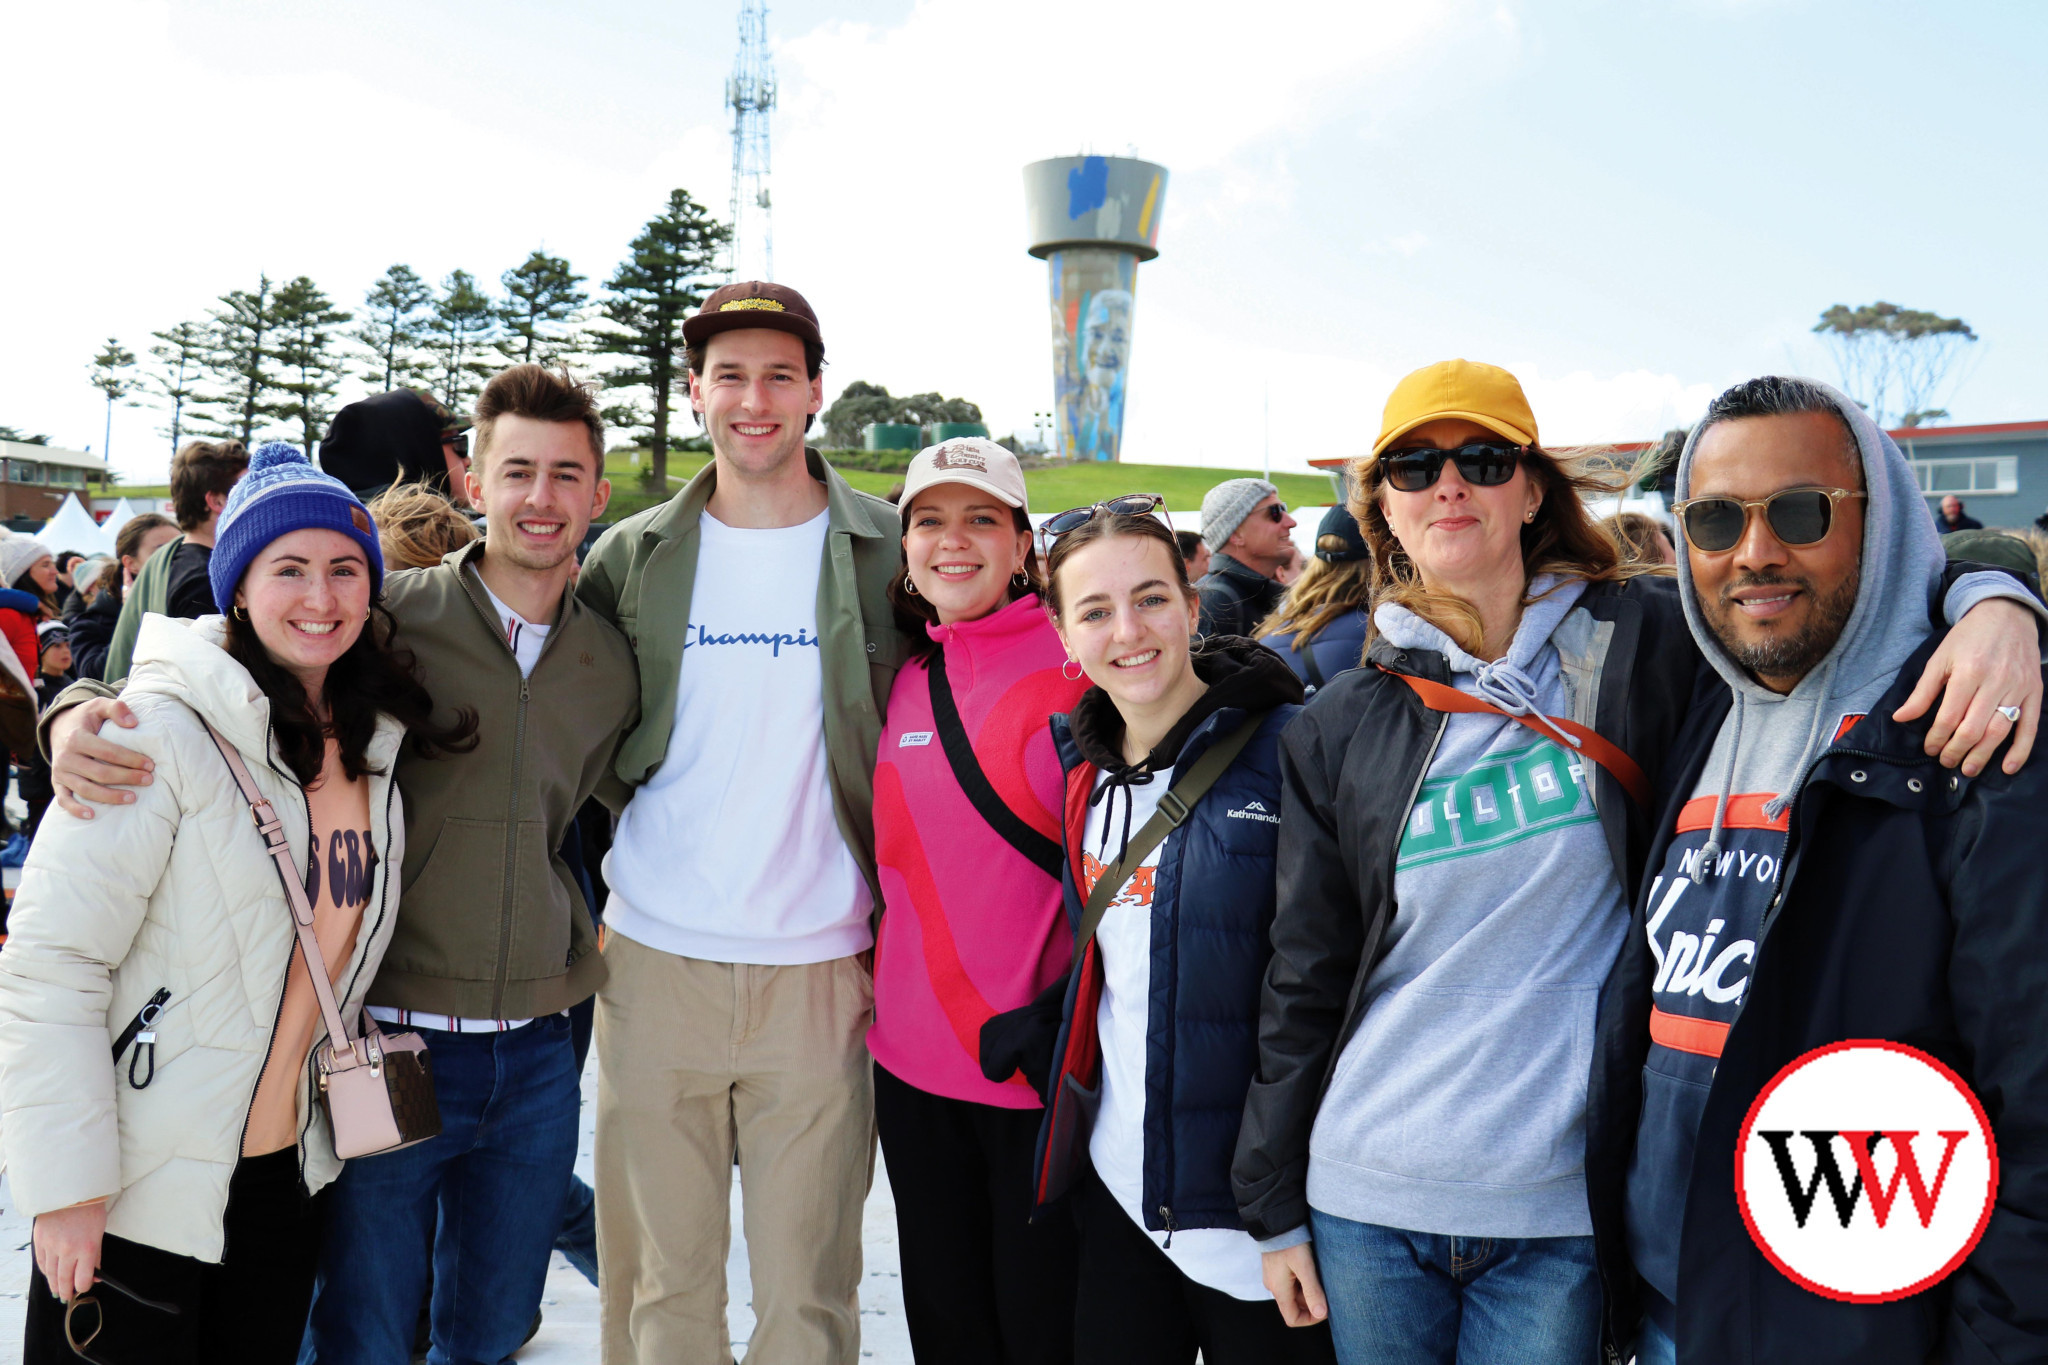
{"points": [[1274, 511], [1797, 516], [1129, 505], [1484, 464]]}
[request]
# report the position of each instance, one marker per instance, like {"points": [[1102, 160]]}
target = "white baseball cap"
{"points": [[973, 460]]}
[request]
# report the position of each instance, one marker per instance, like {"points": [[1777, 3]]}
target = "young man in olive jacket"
{"points": [[493, 941], [743, 871]]}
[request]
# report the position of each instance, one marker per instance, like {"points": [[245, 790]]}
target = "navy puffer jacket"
{"points": [[1212, 908]]}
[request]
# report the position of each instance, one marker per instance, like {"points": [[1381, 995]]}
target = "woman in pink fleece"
{"points": [[967, 835]]}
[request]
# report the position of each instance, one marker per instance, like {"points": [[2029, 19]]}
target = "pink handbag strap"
{"points": [[271, 828]]}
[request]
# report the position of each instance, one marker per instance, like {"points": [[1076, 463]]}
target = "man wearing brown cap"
{"points": [[743, 871]]}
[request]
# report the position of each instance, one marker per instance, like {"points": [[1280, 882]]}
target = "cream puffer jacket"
{"points": [[171, 892]]}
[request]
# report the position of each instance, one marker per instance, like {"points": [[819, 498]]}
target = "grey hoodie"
{"points": [[1459, 1105], [1707, 903]]}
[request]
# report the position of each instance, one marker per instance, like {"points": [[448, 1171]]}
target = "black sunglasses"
{"points": [[1484, 464], [1797, 516], [83, 1315], [1274, 511], [1129, 505]]}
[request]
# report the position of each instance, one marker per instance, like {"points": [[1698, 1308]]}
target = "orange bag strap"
{"points": [[1437, 697]]}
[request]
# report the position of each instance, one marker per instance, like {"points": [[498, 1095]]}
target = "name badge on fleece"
{"points": [[914, 739]]}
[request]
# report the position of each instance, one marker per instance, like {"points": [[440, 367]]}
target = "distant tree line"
{"points": [[861, 403], [272, 358]]}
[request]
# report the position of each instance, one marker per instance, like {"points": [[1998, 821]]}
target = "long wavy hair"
{"points": [[375, 674], [1324, 592], [1563, 539]]}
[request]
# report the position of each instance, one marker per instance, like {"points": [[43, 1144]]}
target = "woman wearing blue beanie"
{"points": [[171, 1182]]}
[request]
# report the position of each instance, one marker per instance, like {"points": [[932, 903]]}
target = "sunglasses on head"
{"points": [[1129, 505], [1797, 516], [1484, 464]]}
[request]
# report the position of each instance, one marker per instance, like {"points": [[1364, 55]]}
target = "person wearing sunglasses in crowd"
{"points": [[1816, 876], [967, 802], [1460, 820], [1144, 1072], [179, 1169], [1245, 526], [1319, 628]]}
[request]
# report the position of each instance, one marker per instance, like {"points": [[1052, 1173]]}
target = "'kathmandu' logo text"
{"points": [[1255, 811]]}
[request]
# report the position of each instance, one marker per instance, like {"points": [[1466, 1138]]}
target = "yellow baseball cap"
{"points": [[1485, 394]]}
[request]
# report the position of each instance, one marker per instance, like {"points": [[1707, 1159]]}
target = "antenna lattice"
{"points": [[750, 94]]}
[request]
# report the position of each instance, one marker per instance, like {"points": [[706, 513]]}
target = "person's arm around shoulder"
{"points": [[88, 768], [1998, 979], [83, 897], [604, 571]]}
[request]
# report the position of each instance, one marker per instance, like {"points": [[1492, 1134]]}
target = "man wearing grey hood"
{"points": [[1817, 876]]}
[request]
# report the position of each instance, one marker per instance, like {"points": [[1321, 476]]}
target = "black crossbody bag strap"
{"points": [[974, 782], [1309, 666], [1175, 804]]}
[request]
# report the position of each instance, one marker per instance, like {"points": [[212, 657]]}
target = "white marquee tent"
{"points": [[74, 529]]}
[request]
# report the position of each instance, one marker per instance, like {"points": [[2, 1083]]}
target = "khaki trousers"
{"points": [[698, 1061]]}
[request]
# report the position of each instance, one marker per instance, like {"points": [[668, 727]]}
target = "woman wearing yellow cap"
{"points": [[1462, 823]]}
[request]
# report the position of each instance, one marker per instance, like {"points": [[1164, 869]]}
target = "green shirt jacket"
{"points": [[641, 574], [491, 923]]}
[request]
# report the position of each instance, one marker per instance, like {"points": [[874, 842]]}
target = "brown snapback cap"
{"points": [[753, 303]]}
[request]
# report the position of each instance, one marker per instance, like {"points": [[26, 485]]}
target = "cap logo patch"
{"points": [[360, 519], [742, 305], [950, 456]]}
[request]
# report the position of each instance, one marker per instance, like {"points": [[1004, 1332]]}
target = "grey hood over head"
{"points": [[1769, 741]]}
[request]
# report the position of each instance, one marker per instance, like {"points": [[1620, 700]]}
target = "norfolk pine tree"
{"points": [[394, 327], [462, 325], [112, 375], [180, 359], [240, 362], [306, 326], [663, 277], [542, 295]]}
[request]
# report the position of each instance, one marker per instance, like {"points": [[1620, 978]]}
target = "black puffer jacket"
{"points": [[1913, 907], [91, 633], [1350, 766], [1235, 598]]}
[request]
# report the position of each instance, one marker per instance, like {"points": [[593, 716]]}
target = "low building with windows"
{"points": [[35, 479]]}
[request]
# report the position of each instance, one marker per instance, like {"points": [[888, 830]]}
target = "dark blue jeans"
{"points": [[1417, 1298], [483, 1201]]}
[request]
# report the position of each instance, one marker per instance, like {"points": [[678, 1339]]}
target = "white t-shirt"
{"points": [[1221, 1258], [731, 852], [526, 641]]}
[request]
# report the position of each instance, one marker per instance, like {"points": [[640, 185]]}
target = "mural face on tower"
{"points": [[1092, 300]]}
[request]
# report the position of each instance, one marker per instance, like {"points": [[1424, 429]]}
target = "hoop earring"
{"points": [[1021, 579], [910, 587], [238, 613], [1076, 675]]}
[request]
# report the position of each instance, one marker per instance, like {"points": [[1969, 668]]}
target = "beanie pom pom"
{"points": [[273, 453]]}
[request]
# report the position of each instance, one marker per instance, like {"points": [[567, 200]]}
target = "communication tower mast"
{"points": [[750, 94]]}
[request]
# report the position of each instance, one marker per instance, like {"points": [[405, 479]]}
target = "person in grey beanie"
{"points": [[1245, 526]]}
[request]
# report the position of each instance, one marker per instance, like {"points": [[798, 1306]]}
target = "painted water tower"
{"points": [[1092, 219]]}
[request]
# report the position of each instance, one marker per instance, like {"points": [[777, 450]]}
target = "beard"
{"points": [[1792, 655]]}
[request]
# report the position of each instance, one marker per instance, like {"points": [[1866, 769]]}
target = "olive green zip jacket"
{"points": [[640, 576], [491, 924]]}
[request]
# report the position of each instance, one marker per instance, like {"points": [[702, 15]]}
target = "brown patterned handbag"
{"points": [[378, 1089]]}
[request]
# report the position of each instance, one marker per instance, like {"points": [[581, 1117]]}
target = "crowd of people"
{"points": [[1234, 953]]}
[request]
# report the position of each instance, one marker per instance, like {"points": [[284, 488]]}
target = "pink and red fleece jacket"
{"points": [[970, 927]]}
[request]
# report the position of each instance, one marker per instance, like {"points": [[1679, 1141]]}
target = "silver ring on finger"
{"points": [[2011, 714]]}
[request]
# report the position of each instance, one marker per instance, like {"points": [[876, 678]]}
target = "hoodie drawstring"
{"points": [[1711, 852], [1775, 807], [1514, 692], [1137, 775]]}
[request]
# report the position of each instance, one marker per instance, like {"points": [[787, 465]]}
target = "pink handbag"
{"points": [[378, 1089]]}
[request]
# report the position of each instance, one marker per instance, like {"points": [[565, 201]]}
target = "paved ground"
{"points": [[568, 1334]]}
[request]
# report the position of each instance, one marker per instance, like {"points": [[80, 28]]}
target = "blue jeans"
{"points": [[483, 1201], [1656, 1348], [1417, 1298]]}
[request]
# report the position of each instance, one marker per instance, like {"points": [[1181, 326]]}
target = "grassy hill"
{"points": [[1052, 490]]}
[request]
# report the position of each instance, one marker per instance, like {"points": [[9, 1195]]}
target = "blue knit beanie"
{"points": [[283, 492]]}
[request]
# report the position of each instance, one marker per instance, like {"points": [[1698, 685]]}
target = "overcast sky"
{"points": [[1629, 204]]}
